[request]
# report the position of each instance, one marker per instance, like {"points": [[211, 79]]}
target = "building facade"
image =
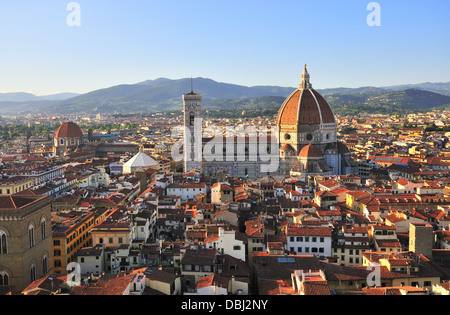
{"points": [[25, 240]]}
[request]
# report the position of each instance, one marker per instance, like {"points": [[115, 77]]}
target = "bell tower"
{"points": [[192, 112]]}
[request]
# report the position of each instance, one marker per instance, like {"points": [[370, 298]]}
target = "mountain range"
{"points": [[164, 94]]}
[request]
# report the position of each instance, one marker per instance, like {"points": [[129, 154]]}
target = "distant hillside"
{"points": [[392, 102], [28, 97], [166, 95], [160, 95], [342, 104]]}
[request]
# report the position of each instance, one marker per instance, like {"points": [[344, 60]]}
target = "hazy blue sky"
{"points": [[246, 42]]}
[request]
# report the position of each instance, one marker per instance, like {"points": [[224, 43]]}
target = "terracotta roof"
{"points": [[305, 107], [308, 231], [17, 202], [69, 130], [287, 147]]}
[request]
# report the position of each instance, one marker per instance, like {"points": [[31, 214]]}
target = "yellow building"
{"points": [[112, 234], [72, 233], [406, 268], [13, 185], [353, 200]]}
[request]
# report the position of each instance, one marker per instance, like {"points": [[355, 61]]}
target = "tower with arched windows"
{"points": [[192, 112], [25, 240]]}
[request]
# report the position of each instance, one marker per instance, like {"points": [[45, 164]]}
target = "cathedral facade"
{"points": [[306, 141]]}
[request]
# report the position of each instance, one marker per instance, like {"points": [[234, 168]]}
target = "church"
{"points": [[307, 143]]}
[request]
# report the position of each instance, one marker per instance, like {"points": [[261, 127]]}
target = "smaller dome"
{"points": [[310, 151], [69, 130], [287, 147]]}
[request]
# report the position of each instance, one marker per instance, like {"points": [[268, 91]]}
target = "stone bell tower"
{"points": [[192, 111]]}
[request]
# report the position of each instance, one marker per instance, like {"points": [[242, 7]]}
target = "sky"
{"points": [[244, 42]]}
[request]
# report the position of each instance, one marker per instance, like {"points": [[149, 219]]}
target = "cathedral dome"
{"points": [[310, 151], [305, 106], [69, 130]]}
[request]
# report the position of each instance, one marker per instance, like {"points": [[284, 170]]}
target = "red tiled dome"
{"points": [[305, 106], [69, 130], [310, 151]]}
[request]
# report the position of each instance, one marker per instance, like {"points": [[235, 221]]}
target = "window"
{"points": [[45, 265], [33, 273], [237, 247], [4, 279], [31, 236], [43, 229], [120, 240], [3, 244], [322, 239], [314, 239]]}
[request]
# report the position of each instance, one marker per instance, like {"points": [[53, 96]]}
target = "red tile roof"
{"points": [[310, 151], [69, 130], [305, 107]]}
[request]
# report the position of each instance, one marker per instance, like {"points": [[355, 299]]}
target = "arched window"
{"points": [[4, 278], [31, 235], [3, 243], [33, 273], [45, 265], [43, 229]]}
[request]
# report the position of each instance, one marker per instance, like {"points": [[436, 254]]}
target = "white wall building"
{"points": [[186, 191], [226, 243], [309, 241], [91, 260]]}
